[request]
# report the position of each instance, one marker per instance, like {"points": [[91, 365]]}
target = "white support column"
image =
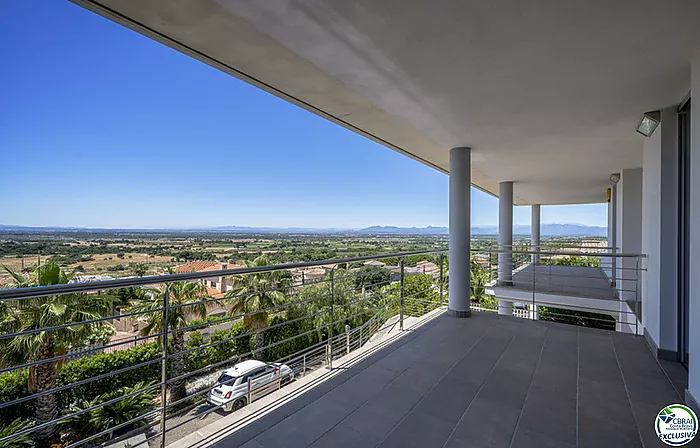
{"points": [[505, 242], [535, 245], [613, 222], [460, 232], [535, 232]]}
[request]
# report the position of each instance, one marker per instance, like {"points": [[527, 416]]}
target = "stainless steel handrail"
{"points": [[71, 288], [414, 304]]}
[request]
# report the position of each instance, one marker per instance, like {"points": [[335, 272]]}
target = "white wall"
{"points": [[651, 233], [694, 249], [629, 224], [668, 274], [660, 234]]}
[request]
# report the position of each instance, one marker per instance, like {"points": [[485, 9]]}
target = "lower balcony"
{"points": [[488, 380]]}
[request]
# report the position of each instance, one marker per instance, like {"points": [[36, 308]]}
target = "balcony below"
{"points": [[577, 281], [484, 381]]}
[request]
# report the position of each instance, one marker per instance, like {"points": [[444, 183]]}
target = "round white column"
{"points": [[460, 231], [535, 232], [505, 242]]}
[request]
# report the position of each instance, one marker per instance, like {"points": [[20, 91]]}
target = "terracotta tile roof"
{"points": [[197, 266], [214, 293], [216, 267]]}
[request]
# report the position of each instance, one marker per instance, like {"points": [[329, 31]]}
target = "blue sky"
{"points": [[102, 127]]}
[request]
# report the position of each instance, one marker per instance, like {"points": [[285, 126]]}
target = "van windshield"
{"points": [[227, 380]]}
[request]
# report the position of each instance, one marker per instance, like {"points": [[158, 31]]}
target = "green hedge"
{"points": [[229, 349], [287, 331], [13, 385], [84, 368], [199, 359]]}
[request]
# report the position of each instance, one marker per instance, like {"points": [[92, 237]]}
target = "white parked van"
{"points": [[231, 389]]}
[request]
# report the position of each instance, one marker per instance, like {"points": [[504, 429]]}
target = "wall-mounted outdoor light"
{"points": [[649, 123]]}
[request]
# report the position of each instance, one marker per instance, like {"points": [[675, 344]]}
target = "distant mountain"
{"points": [[430, 230], [547, 230], [298, 230]]}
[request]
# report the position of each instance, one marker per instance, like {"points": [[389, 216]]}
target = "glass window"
{"points": [[227, 380]]}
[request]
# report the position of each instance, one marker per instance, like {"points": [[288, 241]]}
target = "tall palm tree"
{"points": [[478, 280], [40, 312], [255, 294], [182, 293]]}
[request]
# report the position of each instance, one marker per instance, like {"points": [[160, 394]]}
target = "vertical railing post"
{"points": [[303, 367], [347, 339], [401, 306], [250, 389], [329, 348], [636, 298], [164, 363], [442, 284], [534, 290]]}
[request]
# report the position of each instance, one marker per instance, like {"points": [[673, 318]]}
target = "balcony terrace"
{"points": [[382, 364], [485, 381]]}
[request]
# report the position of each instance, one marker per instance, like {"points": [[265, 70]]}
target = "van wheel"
{"points": [[238, 404], [287, 380]]}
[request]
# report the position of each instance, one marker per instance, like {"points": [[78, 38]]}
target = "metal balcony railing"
{"points": [[304, 326], [310, 324], [590, 286]]}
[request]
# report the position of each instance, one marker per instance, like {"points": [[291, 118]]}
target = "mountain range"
{"points": [[546, 230]]}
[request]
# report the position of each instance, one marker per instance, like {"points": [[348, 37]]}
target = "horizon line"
{"points": [[276, 227]]}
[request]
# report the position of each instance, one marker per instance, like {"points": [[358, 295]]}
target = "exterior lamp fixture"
{"points": [[650, 121]]}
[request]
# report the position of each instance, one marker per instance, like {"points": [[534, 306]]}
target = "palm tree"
{"points": [[40, 312], [183, 293], [254, 294], [23, 441], [111, 415], [478, 280]]}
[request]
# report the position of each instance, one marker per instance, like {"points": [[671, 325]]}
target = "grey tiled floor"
{"points": [[484, 381], [568, 280]]}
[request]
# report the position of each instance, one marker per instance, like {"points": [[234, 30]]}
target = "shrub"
{"points": [[105, 363], [371, 277], [229, 349], [197, 359], [100, 336], [13, 385], [287, 331]]}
